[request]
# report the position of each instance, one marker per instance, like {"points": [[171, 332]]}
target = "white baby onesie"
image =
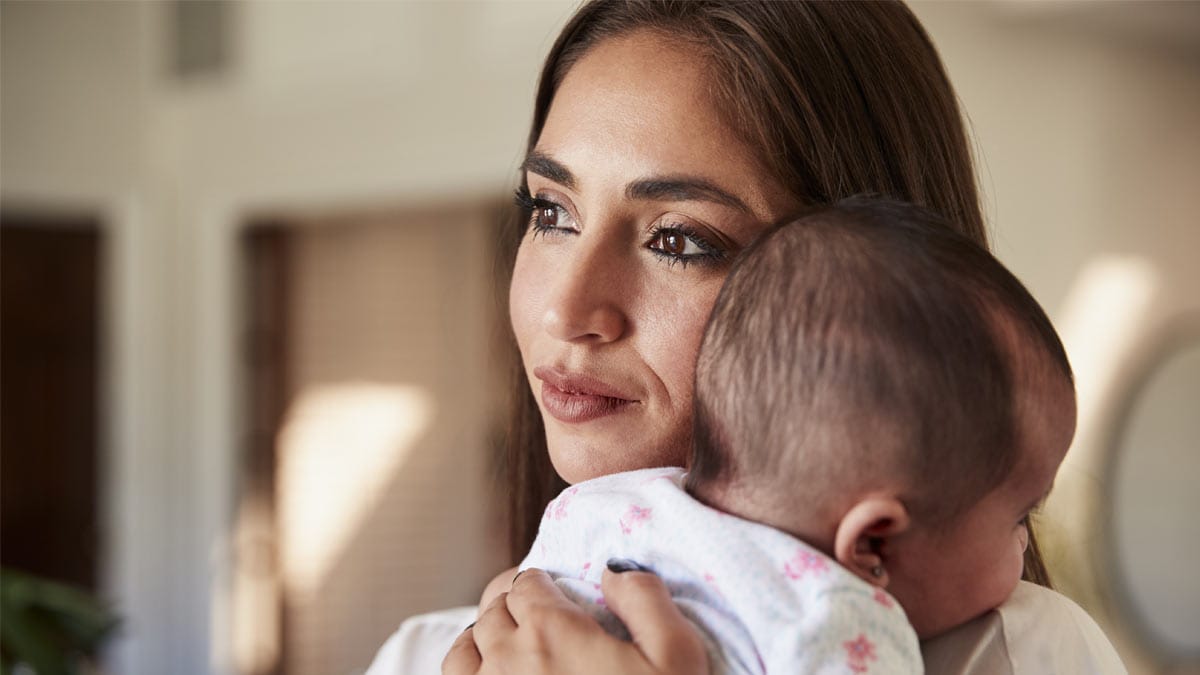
{"points": [[765, 601]]}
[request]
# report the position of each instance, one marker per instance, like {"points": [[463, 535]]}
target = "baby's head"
{"points": [[887, 391]]}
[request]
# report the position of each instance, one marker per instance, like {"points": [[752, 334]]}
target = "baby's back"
{"points": [[764, 600]]}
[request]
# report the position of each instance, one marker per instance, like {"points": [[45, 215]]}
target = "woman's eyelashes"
{"points": [[675, 243], [683, 244], [545, 216]]}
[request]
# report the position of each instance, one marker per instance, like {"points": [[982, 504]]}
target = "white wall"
{"points": [[1088, 144], [1087, 139]]}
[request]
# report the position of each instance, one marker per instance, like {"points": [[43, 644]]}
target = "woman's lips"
{"points": [[577, 398]]}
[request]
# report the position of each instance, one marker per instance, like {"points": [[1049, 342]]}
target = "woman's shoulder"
{"points": [[421, 642], [1036, 630], [1046, 627]]}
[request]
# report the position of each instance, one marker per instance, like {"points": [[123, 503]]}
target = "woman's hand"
{"points": [[501, 583], [535, 629]]}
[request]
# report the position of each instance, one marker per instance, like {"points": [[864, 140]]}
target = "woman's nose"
{"points": [[588, 299]]}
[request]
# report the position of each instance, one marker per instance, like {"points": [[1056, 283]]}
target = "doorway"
{"points": [[50, 327], [366, 494]]}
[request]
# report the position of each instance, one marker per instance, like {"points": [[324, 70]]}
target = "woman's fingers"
{"points": [[535, 597], [668, 640], [463, 658], [500, 584], [554, 628], [495, 625], [535, 628], [494, 629]]}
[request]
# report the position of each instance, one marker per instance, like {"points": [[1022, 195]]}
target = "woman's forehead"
{"points": [[640, 106]]}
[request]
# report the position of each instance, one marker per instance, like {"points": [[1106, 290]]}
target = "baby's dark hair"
{"points": [[868, 341]]}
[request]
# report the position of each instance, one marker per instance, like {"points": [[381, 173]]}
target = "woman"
{"points": [[666, 136]]}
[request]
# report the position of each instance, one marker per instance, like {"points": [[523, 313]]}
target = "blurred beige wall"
{"points": [[1087, 123], [384, 507], [1088, 146]]}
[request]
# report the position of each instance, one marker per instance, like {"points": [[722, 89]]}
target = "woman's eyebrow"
{"points": [[683, 189], [546, 166], [658, 188]]}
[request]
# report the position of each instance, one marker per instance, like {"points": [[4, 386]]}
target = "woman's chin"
{"points": [[576, 461]]}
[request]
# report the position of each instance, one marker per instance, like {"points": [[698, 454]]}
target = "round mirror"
{"points": [[1154, 519]]}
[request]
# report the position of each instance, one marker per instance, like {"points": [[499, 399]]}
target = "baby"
{"points": [[879, 406]]}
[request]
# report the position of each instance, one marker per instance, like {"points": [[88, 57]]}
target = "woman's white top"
{"points": [[421, 643], [1035, 632]]}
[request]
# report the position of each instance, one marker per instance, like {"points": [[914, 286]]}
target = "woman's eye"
{"points": [[682, 244], [676, 243], [546, 216]]}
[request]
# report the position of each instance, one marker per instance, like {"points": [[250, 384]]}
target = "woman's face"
{"points": [[641, 196]]}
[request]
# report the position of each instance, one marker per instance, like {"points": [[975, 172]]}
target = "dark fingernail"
{"points": [[619, 565], [517, 575], [469, 627]]}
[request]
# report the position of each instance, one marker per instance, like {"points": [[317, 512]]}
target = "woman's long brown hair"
{"points": [[838, 99]]}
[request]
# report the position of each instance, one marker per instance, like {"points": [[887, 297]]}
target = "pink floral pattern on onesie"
{"points": [[557, 509], [599, 599], [635, 515], [883, 598], [805, 562], [712, 583], [858, 652]]}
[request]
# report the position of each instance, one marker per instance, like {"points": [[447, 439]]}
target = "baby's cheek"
{"points": [[1017, 565]]}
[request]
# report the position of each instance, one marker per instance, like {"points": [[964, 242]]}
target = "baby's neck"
{"points": [[806, 524]]}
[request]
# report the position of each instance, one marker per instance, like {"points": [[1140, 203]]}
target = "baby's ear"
{"points": [[863, 535]]}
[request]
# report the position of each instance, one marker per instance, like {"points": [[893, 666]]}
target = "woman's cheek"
{"points": [[524, 299], [679, 329]]}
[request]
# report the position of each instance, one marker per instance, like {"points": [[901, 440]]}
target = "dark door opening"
{"points": [[50, 319]]}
